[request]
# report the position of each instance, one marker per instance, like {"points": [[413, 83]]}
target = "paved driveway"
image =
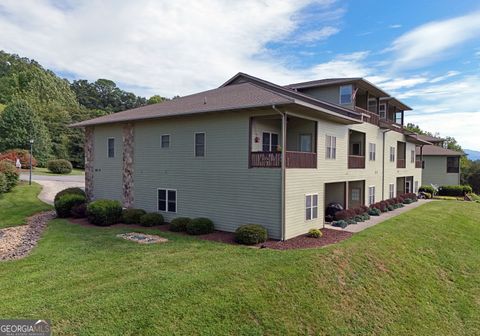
{"points": [[51, 185]]}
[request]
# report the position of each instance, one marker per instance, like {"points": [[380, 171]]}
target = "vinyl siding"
{"points": [[435, 172], [328, 93]]}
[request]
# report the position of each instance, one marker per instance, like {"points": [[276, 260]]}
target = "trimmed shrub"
{"points": [[79, 211], [69, 191], [358, 211], [366, 216], [407, 201], [341, 215], [351, 221], [340, 223], [250, 234], [390, 208], [132, 216], [200, 226], [374, 212], [151, 219], [60, 166], [3, 183], [454, 190], [104, 212], [64, 204], [314, 233], [358, 218], [427, 189], [179, 224], [11, 174]]}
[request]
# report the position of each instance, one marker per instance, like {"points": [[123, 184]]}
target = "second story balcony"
{"points": [[401, 154], [356, 150]]}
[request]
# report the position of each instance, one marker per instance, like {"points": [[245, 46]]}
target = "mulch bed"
{"points": [[301, 242]]}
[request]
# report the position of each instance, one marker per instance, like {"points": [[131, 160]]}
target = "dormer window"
{"points": [[346, 94]]}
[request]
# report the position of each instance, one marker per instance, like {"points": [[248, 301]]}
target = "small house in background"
{"points": [[441, 166]]}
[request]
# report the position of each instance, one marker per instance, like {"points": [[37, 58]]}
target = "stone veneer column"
{"points": [[128, 145], [89, 155]]}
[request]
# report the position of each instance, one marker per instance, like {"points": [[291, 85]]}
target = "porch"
{"points": [[356, 150], [266, 139], [349, 194]]}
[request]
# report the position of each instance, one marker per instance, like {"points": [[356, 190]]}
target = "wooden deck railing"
{"points": [[418, 164], [368, 116], [400, 163], [274, 160], [356, 162]]}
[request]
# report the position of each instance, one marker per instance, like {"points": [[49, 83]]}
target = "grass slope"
{"points": [[416, 274], [19, 204]]}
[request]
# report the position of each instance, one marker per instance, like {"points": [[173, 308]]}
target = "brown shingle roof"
{"points": [[430, 138], [432, 150]]}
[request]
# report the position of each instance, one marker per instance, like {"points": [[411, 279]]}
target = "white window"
{"points": [[371, 195], [311, 206], [331, 147], [416, 186], [382, 109], [391, 190], [269, 142], [372, 149], [165, 141], [167, 200], [392, 154], [412, 156], [200, 144], [346, 94], [111, 147], [372, 105]]}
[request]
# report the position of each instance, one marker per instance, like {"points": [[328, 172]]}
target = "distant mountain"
{"points": [[472, 155]]}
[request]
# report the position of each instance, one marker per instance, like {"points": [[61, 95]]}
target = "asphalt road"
{"points": [[51, 185], [59, 178]]}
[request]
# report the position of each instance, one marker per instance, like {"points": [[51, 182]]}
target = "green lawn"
{"points": [[20, 203], [415, 274], [45, 171]]}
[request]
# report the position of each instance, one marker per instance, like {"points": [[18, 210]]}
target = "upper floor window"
{"points": [[412, 156], [311, 206], [346, 92], [331, 147], [372, 105], [165, 141], [372, 148], [111, 147], [167, 200], [269, 142], [392, 154], [453, 164], [382, 111], [200, 144]]}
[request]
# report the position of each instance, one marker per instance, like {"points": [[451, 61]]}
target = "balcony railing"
{"points": [[274, 160], [368, 116], [356, 162], [418, 164], [400, 163]]}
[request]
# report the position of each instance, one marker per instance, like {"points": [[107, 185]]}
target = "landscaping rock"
{"points": [[142, 238]]}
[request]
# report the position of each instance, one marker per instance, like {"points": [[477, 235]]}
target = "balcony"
{"points": [[401, 163], [274, 160], [418, 164], [356, 162]]}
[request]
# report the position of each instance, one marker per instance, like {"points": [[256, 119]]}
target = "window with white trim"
{"points": [[269, 142], [392, 154], [371, 195], [391, 190], [311, 206], [331, 147], [346, 92], [167, 200], [165, 141], [372, 149], [200, 139], [111, 147], [412, 156], [382, 110]]}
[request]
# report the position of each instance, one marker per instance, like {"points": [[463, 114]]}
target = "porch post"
{"points": [[346, 195]]}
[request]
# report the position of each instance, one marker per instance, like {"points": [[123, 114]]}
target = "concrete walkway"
{"points": [[374, 220], [51, 185]]}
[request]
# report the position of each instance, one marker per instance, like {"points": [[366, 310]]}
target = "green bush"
{"points": [[3, 183], [69, 191], [366, 216], [390, 208], [59, 166], [358, 218], [250, 234], [132, 216], [11, 174], [151, 219], [79, 211], [455, 190], [104, 212], [351, 221], [314, 233], [340, 223], [200, 226], [179, 224], [374, 212], [407, 201], [427, 189], [64, 204]]}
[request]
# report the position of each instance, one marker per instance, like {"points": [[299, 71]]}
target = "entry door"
{"points": [[408, 186]]}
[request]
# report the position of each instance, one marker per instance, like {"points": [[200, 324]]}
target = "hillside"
{"points": [[472, 154]]}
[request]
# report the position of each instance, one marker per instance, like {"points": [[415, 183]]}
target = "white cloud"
{"points": [[442, 78], [431, 41], [395, 26], [175, 47], [319, 35]]}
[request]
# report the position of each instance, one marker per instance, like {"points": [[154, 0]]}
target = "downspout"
{"points": [[383, 164], [283, 169]]}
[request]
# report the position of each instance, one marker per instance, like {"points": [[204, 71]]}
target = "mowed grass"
{"points": [[19, 204], [415, 274], [45, 171]]}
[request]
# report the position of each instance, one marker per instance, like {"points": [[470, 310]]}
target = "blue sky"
{"points": [[424, 52]]}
